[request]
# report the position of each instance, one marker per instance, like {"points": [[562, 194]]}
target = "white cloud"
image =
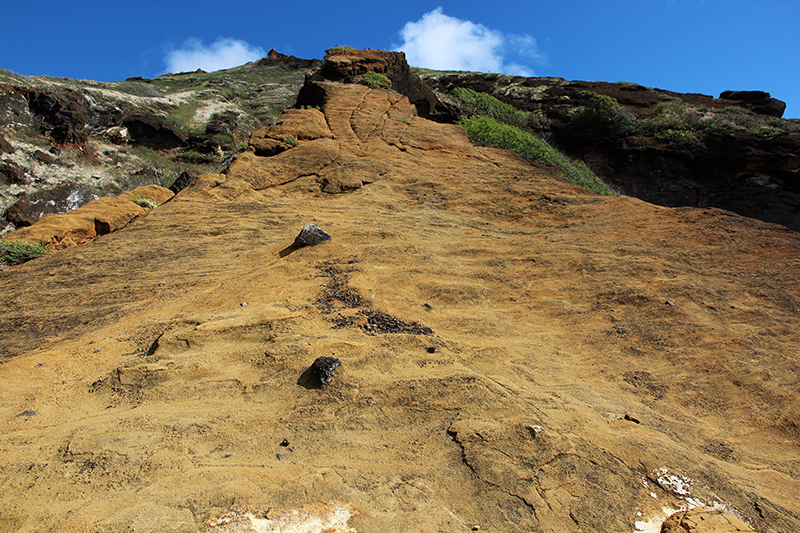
{"points": [[222, 53], [441, 42]]}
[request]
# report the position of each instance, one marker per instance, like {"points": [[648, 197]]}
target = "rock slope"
{"points": [[517, 353], [668, 148]]}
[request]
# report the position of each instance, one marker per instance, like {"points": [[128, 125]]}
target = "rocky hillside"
{"points": [[97, 139], [667, 148], [481, 345]]}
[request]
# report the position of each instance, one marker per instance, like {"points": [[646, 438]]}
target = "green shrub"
{"points": [[17, 252], [289, 141], [375, 80], [604, 117], [674, 115], [475, 103], [147, 203], [684, 139], [486, 131]]}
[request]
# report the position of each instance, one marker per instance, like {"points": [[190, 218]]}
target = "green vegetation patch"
{"points": [[147, 203], [476, 103], [17, 252], [486, 131], [604, 117], [375, 80]]}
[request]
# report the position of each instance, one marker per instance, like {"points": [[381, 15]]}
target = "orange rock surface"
{"points": [[592, 360]]}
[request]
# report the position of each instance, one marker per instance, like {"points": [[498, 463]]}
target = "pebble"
{"points": [[280, 457], [244, 304], [670, 303]]}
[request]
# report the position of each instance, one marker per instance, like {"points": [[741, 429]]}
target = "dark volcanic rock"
{"points": [[64, 115], [756, 101], [151, 131], [186, 178], [5, 146], [61, 199], [275, 58], [11, 173], [310, 235], [322, 369]]}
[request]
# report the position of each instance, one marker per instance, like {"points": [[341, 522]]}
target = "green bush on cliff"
{"points": [[604, 117], [375, 80], [486, 131], [475, 103], [16, 252]]}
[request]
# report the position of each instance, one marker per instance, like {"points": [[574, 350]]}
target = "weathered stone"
{"points": [[5, 146], [756, 101], [310, 235], [44, 157], [293, 126], [60, 199], [85, 223], [322, 369], [186, 178], [150, 130], [346, 65], [306, 159], [11, 173], [704, 520]]}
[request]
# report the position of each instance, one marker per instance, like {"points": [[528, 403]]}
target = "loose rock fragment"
{"points": [[310, 235], [322, 369]]}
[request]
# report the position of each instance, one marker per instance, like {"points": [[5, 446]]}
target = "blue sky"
{"points": [[703, 46]]}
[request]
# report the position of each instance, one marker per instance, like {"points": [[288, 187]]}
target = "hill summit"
{"points": [[479, 345]]}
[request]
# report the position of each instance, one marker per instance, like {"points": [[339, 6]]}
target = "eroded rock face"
{"points": [[151, 131], [61, 199], [757, 101], [95, 218], [745, 172], [347, 65], [565, 393]]}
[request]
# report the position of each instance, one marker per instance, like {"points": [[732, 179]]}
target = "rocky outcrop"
{"points": [[347, 65], [57, 200], [277, 59], [752, 170], [11, 173], [95, 218], [152, 131], [5, 146], [760, 102]]}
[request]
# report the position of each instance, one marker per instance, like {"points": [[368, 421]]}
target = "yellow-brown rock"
{"points": [[560, 361], [97, 217]]}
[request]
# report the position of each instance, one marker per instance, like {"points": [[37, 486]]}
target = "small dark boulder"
{"points": [[310, 235], [322, 369], [186, 178], [44, 157], [5, 146], [57, 200], [11, 173]]}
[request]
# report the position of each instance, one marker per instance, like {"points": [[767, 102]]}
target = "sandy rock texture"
{"points": [[517, 354]]}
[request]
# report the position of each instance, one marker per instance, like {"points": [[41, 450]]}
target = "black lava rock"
{"points": [[322, 369], [310, 235]]}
